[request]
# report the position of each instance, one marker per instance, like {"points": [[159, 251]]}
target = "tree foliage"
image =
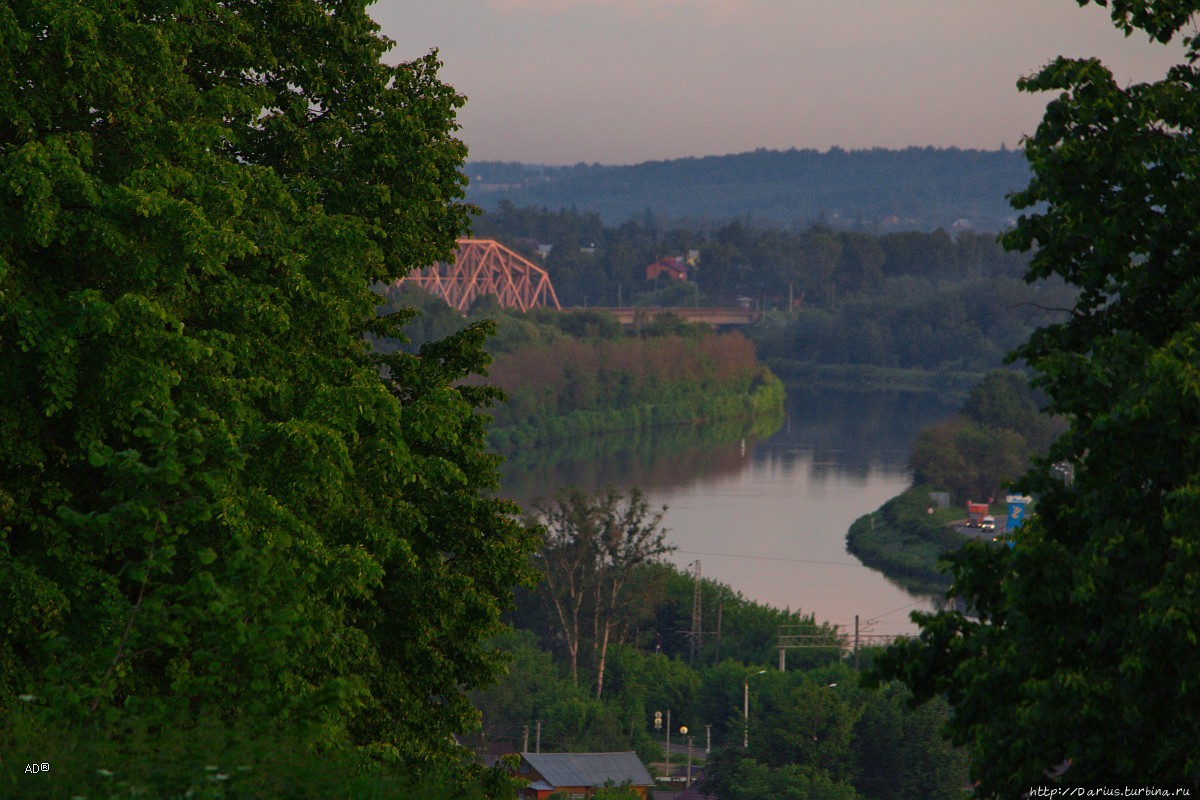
{"points": [[590, 564], [977, 453], [817, 733], [1081, 662], [209, 496], [814, 264]]}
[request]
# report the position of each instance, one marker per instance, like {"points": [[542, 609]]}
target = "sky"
{"points": [[628, 81]]}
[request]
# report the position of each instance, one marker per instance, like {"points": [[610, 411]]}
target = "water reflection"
{"points": [[656, 459]]}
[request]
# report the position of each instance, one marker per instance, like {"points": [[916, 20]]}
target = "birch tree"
{"points": [[590, 558]]}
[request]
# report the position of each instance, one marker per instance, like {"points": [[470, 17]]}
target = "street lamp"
{"points": [[683, 729], [746, 708]]}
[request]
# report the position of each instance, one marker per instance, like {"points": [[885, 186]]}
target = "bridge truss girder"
{"points": [[484, 266]]}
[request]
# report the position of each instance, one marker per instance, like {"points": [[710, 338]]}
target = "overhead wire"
{"points": [[772, 558]]}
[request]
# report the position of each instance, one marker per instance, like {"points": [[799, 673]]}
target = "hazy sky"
{"points": [[625, 81]]}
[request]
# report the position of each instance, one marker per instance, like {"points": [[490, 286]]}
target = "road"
{"points": [[979, 533]]}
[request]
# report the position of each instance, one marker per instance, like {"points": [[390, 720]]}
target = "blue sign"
{"points": [[1016, 510]]}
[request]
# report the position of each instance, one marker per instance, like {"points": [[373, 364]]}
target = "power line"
{"points": [[773, 558], [894, 610]]}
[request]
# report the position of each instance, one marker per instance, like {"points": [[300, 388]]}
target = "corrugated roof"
{"points": [[590, 769]]}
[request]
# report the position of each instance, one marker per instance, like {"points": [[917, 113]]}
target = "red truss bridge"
{"points": [[484, 266]]}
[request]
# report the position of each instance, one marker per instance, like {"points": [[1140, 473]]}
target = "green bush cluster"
{"points": [[973, 455]]}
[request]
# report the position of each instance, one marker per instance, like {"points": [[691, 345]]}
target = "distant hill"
{"points": [[878, 190]]}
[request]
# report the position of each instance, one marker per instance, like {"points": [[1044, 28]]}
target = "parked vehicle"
{"points": [[975, 514]]}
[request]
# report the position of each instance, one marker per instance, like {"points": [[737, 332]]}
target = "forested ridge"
{"points": [[917, 188]]}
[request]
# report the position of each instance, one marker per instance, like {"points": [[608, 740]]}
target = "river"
{"points": [[766, 516]]}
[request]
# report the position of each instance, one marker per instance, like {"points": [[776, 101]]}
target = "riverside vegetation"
{"points": [[972, 456], [577, 373]]}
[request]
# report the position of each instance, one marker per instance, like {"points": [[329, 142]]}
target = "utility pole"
{"points": [[697, 615], [539, 737], [668, 742], [684, 731], [746, 708], [707, 738], [720, 611], [856, 643], [525, 739]]}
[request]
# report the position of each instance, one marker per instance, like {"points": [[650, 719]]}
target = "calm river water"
{"points": [[768, 517]]}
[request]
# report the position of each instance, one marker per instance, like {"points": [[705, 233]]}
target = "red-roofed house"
{"points": [[671, 267]]}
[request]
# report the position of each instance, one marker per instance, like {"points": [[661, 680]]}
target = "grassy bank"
{"points": [[761, 406], [951, 383], [904, 542]]}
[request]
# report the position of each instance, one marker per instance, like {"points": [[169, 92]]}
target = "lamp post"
{"points": [[683, 729], [746, 708]]}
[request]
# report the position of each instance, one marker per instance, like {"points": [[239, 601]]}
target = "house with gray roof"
{"points": [[580, 774]]}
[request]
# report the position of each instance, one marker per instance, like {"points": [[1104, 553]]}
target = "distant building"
{"points": [[579, 775], [673, 268]]}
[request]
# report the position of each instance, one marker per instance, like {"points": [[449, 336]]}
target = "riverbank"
{"points": [[904, 542], [759, 406], [950, 384]]}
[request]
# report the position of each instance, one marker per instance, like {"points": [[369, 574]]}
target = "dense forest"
{"points": [[878, 190], [913, 301]]}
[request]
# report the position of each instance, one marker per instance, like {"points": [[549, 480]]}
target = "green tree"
{"points": [[976, 454], [594, 547], [213, 494], [800, 719], [731, 774], [899, 751], [1081, 662]]}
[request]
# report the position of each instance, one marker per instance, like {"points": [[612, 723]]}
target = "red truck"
{"points": [[975, 514]]}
